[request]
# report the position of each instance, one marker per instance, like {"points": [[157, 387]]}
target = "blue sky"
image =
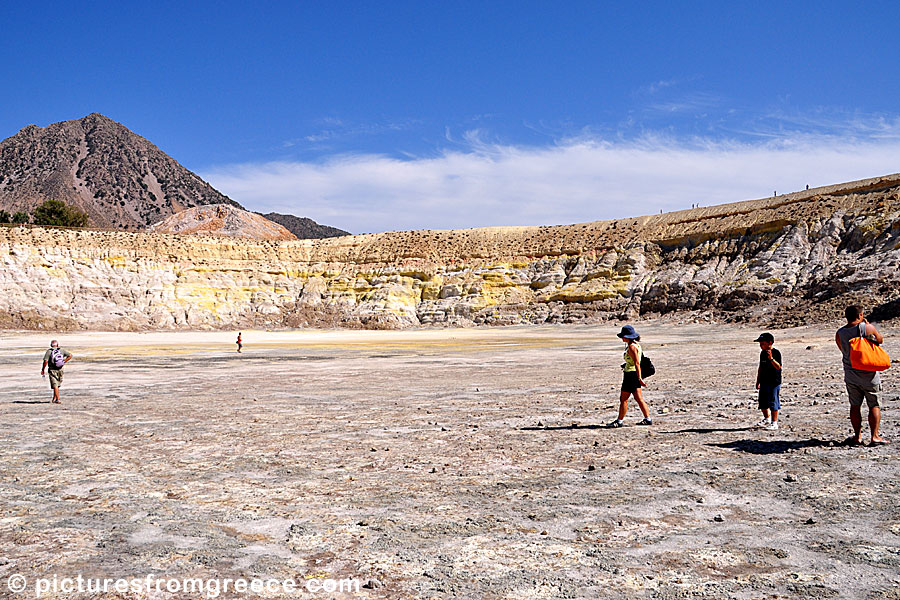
{"points": [[375, 116]]}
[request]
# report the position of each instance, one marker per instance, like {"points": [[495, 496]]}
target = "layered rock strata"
{"points": [[781, 260]]}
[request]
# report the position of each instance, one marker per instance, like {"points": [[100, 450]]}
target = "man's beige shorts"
{"points": [[858, 392], [55, 377]]}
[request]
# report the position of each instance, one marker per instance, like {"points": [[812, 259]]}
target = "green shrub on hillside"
{"points": [[59, 214]]}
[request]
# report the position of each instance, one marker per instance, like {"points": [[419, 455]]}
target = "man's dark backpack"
{"points": [[647, 368]]}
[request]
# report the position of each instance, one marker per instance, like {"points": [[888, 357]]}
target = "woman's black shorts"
{"points": [[630, 382]]}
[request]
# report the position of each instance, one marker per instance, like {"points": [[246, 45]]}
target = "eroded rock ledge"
{"points": [[786, 260]]}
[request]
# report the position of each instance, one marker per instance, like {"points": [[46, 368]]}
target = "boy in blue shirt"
{"points": [[768, 382]]}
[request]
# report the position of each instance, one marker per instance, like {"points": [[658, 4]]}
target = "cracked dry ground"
{"points": [[446, 464]]}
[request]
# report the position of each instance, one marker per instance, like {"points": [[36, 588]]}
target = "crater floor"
{"points": [[465, 463]]}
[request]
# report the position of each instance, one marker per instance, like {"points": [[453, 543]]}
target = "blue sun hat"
{"points": [[628, 333]]}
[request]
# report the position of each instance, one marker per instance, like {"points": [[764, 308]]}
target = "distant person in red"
{"points": [[55, 359], [239, 343]]}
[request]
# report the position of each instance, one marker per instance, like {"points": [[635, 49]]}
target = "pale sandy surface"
{"points": [[445, 464]]}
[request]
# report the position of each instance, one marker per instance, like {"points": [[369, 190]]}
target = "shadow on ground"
{"points": [[560, 427], [774, 446]]}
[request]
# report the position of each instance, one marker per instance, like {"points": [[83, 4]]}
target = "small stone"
{"points": [[591, 468], [433, 470], [810, 521], [790, 478], [545, 532], [363, 523], [540, 424], [372, 584], [718, 518]]}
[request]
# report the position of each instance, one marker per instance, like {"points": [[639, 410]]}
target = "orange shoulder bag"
{"points": [[866, 355]]}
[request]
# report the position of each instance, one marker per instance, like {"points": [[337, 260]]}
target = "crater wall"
{"points": [[783, 260]]}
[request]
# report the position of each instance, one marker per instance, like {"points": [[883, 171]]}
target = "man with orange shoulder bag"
{"points": [[863, 359]]}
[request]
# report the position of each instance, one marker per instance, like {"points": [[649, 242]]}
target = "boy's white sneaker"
{"points": [[763, 423], [773, 426]]}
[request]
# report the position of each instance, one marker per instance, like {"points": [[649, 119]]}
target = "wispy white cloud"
{"points": [[663, 84], [333, 128], [687, 103], [834, 123], [574, 180], [660, 85]]}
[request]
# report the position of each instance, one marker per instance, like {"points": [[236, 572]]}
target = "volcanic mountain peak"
{"points": [[118, 177]]}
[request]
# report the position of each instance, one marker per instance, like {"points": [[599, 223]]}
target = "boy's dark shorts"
{"points": [[770, 397], [630, 382]]}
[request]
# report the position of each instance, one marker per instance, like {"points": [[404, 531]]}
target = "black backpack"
{"points": [[647, 368]]}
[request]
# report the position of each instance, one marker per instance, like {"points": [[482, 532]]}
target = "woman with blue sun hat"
{"points": [[631, 379]]}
